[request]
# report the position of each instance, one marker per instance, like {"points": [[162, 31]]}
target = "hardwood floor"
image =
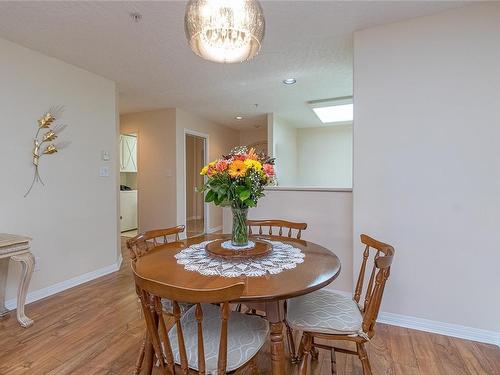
{"points": [[96, 328]]}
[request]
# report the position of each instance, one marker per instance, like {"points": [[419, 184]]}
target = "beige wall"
{"points": [[328, 215], [249, 136], [220, 141], [73, 218], [161, 170], [426, 161], [156, 163], [325, 156]]}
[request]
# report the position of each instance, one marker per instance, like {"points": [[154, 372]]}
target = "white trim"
{"points": [[214, 229], [308, 188], [442, 328], [48, 291], [433, 326]]}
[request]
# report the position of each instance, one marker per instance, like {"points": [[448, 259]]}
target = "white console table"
{"points": [[16, 248]]}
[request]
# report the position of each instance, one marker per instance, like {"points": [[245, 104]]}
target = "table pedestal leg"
{"points": [[28, 265], [4, 268], [275, 316]]}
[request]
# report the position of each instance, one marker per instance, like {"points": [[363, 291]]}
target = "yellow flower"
{"points": [[237, 168], [204, 170], [256, 165]]}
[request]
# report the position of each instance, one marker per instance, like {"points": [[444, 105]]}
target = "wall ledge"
{"points": [[307, 188], [433, 326], [50, 290]]}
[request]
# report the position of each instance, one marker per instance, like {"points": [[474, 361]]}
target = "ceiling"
{"points": [[154, 68]]}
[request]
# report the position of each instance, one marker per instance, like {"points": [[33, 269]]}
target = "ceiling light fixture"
{"points": [[136, 16], [224, 31], [338, 110], [238, 118], [289, 81]]}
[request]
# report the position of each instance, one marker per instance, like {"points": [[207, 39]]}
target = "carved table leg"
{"points": [[28, 263], [275, 316], [4, 267]]}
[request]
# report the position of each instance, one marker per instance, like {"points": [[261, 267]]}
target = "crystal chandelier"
{"points": [[225, 31]]}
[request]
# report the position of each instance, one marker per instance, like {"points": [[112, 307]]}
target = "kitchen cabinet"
{"points": [[128, 210], [128, 153]]}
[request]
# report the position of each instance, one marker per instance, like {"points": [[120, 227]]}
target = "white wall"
{"points": [[73, 218], [325, 156], [284, 149], [311, 157], [156, 176], [328, 215], [220, 141], [427, 161]]}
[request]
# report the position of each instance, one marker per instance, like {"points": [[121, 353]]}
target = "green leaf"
{"points": [[250, 203], [245, 194], [210, 196]]}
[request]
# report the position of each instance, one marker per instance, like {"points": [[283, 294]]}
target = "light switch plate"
{"points": [[104, 172], [105, 155]]}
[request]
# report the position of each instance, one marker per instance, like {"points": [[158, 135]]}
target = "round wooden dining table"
{"points": [[265, 293]]}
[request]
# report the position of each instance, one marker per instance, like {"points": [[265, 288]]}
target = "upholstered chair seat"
{"points": [[332, 317], [324, 312], [168, 307], [245, 337]]}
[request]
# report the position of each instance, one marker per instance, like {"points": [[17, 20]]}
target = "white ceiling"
{"points": [[154, 68]]}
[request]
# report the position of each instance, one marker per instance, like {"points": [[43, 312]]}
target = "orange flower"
{"points": [[237, 169], [252, 155], [221, 165]]}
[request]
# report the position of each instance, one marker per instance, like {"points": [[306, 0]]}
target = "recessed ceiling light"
{"points": [[334, 110], [238, 118], [289, 81], [136, 16]]}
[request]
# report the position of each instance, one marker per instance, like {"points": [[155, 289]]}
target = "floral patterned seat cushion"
{"points": [[169, 308], [324, 312], [246, 336]]}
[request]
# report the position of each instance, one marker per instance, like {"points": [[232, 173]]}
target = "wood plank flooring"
{"points": [[96, 328]]}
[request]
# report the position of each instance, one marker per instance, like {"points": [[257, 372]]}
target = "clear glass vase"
{"points": [[240, 229]]}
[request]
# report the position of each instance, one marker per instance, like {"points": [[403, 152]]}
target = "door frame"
{"points": [[206, 206]]}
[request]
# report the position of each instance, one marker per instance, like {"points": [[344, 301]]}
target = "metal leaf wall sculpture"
{"points": [[47, 132]]}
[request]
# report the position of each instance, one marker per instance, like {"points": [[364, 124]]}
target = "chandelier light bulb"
{"points": [[224, 31]]}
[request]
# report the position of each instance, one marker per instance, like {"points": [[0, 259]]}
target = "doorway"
{"points": [[195, 207]]}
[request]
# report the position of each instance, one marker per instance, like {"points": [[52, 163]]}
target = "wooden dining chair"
{"points": [[278, 228], [139, 246], [144, 242], [275, 228], [208, 339], [330, 316]]}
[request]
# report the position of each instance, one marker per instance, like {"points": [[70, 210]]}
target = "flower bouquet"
{"points": [[238, 180]]}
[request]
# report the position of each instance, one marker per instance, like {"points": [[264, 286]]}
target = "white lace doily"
{"points": [[228, 245], [282, 257]]}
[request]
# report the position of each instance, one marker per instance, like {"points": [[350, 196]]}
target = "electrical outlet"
{"points": [[37, 264]]}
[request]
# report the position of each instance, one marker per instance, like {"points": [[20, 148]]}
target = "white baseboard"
{"points": [[442, 328], [36, 295], [215, 229], [433, 326]]}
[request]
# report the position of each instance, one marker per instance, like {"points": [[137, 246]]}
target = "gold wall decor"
{"points": [[47, 131]]}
